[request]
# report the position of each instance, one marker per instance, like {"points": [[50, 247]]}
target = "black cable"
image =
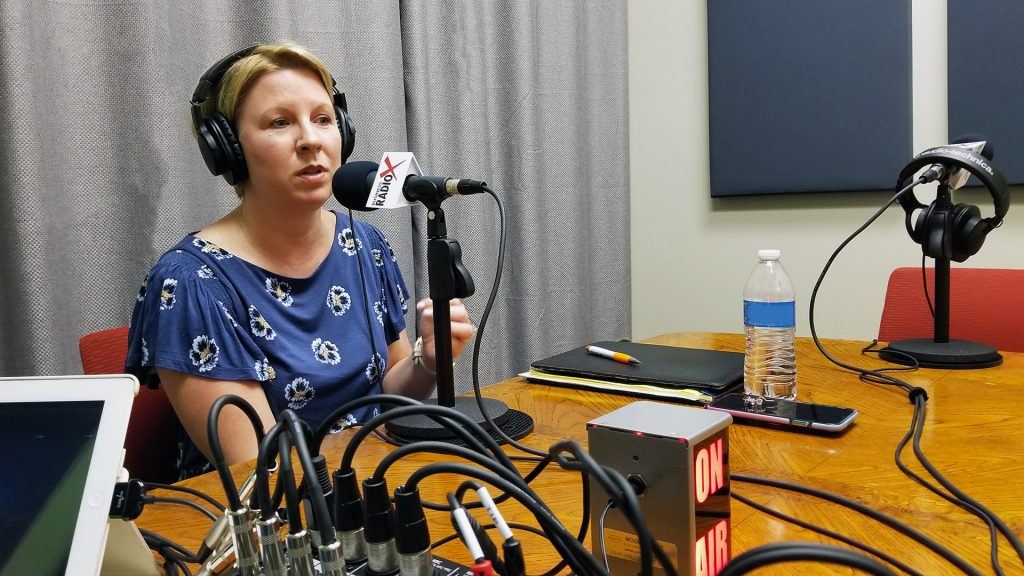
{"points": [[321, 512], [150, 536], [917, 421], [160, 486], [483, 324], [213, 435], [619, 489], [971, 504], [180, 502], [287, 476], [924, 283], [437, 447], [447, 417], [266, 454], [571, 550], [826, 532], [600, 534], [375, 399], [802, 552], [912, 363], [881, 378], [867, 511]]}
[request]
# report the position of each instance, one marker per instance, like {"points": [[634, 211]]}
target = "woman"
{"points": [[267, 303]]}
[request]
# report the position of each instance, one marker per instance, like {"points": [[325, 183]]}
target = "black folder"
{"points": [[711, 371]]}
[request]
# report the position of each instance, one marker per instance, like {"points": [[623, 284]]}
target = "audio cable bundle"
{"points": [[349, 523]]}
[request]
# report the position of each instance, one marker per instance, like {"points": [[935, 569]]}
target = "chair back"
{"points": [[986, 305], [151, 446]]}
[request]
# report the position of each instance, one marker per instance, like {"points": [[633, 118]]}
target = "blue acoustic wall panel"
{"points": [[808, 95], [986, 77]]}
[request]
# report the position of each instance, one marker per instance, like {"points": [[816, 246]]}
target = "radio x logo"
{"points": [[391, 168]]}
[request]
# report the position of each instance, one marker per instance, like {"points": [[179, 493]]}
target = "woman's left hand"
{"points": [[462, 328]]}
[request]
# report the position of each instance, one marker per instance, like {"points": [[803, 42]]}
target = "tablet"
{"points": [[63, 439]]}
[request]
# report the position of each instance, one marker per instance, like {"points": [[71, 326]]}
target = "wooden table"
{"points": [[972, 435]]}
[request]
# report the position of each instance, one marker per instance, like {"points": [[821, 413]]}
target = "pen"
{"points": [[617, 356]]}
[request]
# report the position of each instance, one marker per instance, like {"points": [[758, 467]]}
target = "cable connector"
{"points": [[412, 536], [379, 527], [482, 568], [127, 501], [348, 515]]}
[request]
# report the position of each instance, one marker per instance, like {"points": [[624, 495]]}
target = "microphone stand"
{"points": [[940, 351], [448, 279]]}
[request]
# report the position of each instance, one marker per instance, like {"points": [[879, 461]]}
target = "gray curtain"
{"points": [[100, 174]]}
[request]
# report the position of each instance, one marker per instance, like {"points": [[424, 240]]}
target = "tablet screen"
{"points": [[49, 446]]}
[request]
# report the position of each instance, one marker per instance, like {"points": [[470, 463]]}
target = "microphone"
{"points": [[957, 177], [367, 186]]}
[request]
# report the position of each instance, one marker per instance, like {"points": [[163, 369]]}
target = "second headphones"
{"points": [[956, 232], [218, 141]]}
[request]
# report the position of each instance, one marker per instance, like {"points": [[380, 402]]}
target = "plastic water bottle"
{"points": [[769, 320]]}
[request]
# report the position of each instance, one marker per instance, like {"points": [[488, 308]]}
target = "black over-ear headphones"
{"points": [[957, 232], [217, 139]]}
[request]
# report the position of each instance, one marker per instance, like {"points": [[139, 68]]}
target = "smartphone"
{"points": [[786, 412]]}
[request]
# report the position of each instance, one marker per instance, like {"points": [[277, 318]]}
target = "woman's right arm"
{"points": [[193, 396]]}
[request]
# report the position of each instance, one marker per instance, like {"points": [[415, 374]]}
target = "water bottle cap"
{"points": [[769, 254]]}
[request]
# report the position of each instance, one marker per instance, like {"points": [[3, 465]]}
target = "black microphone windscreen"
{"points": [[988, 151], [352, 183]]}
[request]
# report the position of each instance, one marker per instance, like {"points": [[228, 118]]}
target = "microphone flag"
{"points": [[394, 169]]}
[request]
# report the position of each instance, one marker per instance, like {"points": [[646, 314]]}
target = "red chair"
{"points": [[986, 305], [151, 446]]}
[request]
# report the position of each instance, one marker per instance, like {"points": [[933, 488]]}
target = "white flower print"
{"points": [[325, 351], [259, 325], [264, 371], [402, 298], [280, 290], [205, 272], [211, 248], [228, 314], [345, 422], [375, 369], [378, 257], [348, 241], [143, 288], [204, 353], [167, 293], [145, 353], [391, 251], [338, 300], [379, 310], [299, 393]]}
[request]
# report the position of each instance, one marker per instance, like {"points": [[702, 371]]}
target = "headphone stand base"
{"points": [[952, 355]]}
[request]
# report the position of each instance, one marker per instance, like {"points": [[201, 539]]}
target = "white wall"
{"points": [[691, 255]]}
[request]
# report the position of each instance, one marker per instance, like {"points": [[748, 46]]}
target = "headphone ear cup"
{"points": [[969, 231], [931, 229], [920, 232], [232, 161], [348, 132]]}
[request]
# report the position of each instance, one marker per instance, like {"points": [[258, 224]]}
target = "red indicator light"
{"points": [[638, 433]]}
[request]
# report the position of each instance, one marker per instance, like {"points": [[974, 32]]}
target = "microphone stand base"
{"points": [[513, 423], [952, 355]]}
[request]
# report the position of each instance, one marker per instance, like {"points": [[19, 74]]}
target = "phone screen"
{"points": [[788, 409]]}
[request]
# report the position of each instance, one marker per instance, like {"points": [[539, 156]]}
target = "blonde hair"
{"points": [[234, 86]]}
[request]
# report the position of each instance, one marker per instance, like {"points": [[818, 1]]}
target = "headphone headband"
{"points": [[977, 165]]}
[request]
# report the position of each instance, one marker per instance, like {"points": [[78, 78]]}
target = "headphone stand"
{"points": [[448, 279], [940, 351]]}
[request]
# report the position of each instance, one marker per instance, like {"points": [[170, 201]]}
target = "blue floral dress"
{"points": [[203, 311]]}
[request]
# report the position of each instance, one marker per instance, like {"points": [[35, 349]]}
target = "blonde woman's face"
{"points": [[289, 135]]}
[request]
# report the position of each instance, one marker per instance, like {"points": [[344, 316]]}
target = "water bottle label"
{"points": [[769, 314]]}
